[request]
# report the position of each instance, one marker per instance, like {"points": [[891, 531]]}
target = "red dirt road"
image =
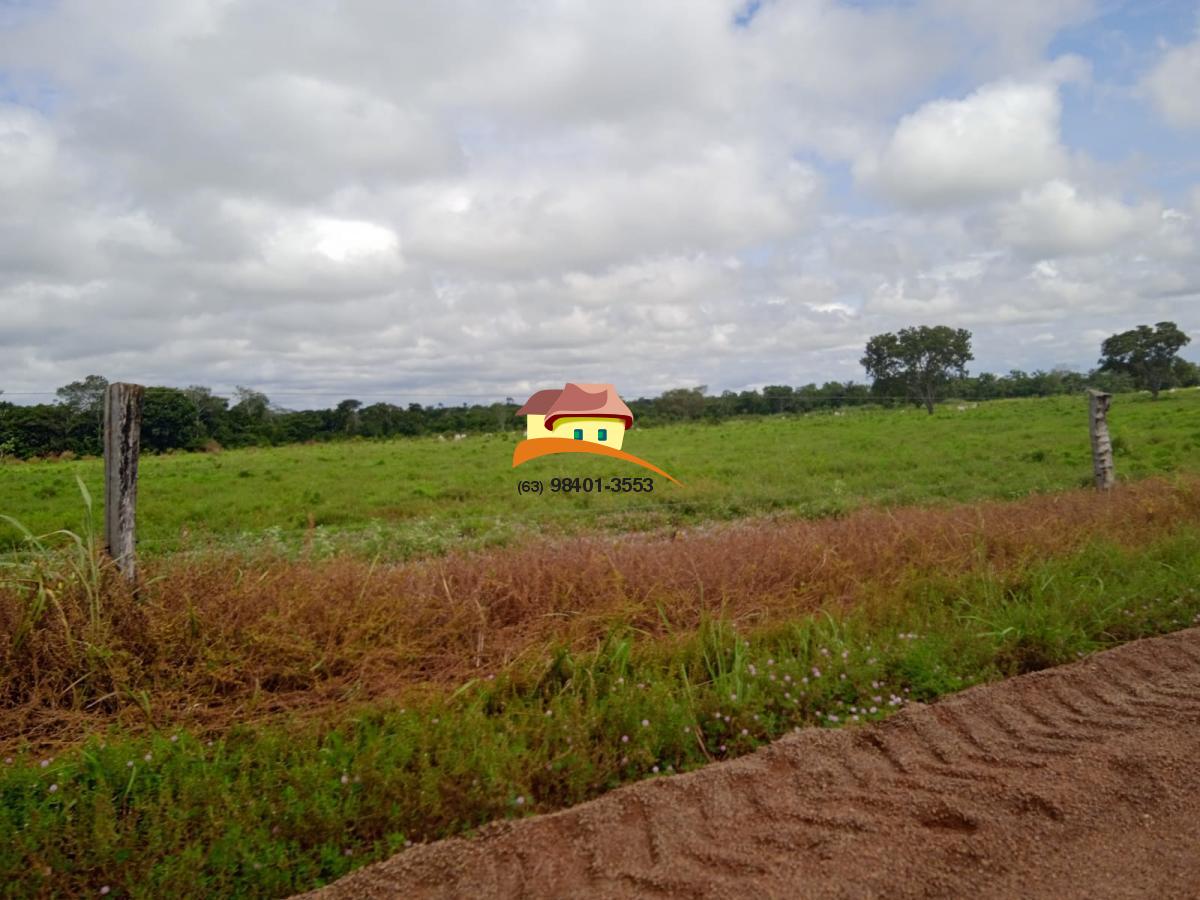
{"points": [[1081, 781]]}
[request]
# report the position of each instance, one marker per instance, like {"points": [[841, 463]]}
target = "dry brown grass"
{"points": [[216, 638]]}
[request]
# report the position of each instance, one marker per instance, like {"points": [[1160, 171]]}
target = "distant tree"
{"points": [[250, 405], [779, 396], [250, 417], [85, 402], [921, 360], [345, 416], [1148, 354], [212, 411], [1186, 374], [84, 397], [682, 403], [170, 420]]}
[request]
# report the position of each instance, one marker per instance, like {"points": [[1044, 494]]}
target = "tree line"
{"points": [[922, 365]]}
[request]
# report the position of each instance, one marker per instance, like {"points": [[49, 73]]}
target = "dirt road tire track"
{"points": [[1080, 781]]}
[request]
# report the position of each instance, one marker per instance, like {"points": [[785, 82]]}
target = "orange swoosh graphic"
{"points": [[532, 449]]}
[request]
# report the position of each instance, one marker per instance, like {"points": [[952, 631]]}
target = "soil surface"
{"points": [[1080, 781]]}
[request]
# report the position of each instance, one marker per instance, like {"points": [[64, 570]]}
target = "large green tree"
{"points": [[1149, 355], [170, 420], [85, 402], [919, 361]]}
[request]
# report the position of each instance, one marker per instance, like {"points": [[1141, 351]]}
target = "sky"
{"points": [[464, 200]]}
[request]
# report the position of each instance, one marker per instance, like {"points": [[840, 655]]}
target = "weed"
{"points": [[291, 803]]}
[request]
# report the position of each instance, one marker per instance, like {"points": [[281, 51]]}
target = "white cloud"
{"points": [[467, 196], [28, 151], [1174, 86], [998, 139], [1013, 34], [719, 198], [1054, 219]]}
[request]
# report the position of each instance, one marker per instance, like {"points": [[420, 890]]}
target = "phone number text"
{"points": [[624, 485]]}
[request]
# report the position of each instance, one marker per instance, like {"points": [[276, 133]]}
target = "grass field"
{"points": [[413, 497], [269, 713]]}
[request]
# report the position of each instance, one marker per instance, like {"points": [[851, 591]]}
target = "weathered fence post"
{"points": [[1102, 453], [122, 439]]}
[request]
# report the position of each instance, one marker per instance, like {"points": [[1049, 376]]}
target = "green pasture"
{"points": [[415, 496], [418, 496]]}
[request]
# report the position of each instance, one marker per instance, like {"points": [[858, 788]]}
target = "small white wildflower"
{"points": [[520, 801], [624, 739], [345, 779], [654, 769], [54, 788], [645, 723]]}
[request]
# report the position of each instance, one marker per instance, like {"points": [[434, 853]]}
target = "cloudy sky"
{"points": [[472, 198]]}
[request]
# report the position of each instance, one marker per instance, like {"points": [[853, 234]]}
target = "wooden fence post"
{"points": [[122, 439], [1102, 453]]}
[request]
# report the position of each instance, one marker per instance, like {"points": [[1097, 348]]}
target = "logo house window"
{"points": [[579, 434], [602, 434]]}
